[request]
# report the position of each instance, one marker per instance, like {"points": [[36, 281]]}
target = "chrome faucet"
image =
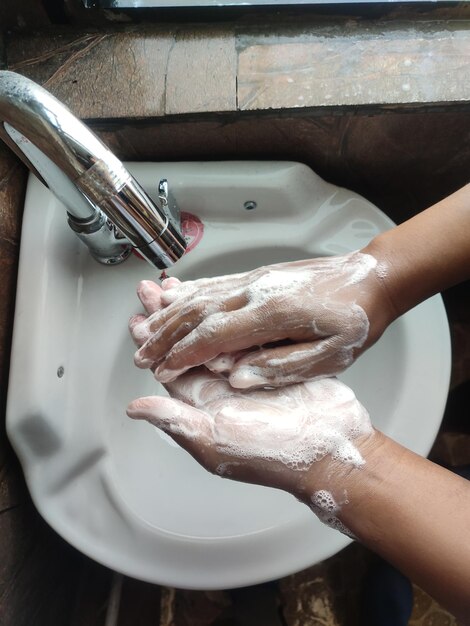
{"points": [[106, 206]]}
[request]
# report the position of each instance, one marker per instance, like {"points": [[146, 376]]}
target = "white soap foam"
{"points": [[295, 426], [325, 507]]}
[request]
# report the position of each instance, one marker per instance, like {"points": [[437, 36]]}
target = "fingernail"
{"points": [[141, 361], [221, 364], [140, 333], [169, 296], [165, 375], [133, 413], [133, 320], [246, 377], [144, 287], [137, 409], [170, 282], [157, 410]]}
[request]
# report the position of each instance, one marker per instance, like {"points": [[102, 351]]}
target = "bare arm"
{"points": [[415, 514], [426, 254]]}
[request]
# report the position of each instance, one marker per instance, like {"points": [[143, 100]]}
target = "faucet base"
{"points": [[113, 260], [86, 176], [106, 244]]}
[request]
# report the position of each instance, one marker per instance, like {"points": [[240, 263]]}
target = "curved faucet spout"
{"points": [[106, 206]]}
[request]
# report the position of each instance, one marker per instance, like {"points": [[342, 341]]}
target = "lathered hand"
{"points": [[270, 437], [327, 309]]}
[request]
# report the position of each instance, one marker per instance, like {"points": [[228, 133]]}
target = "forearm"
{"points": [[428, 253], [416, 515]]}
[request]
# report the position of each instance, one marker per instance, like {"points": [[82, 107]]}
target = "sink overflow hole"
{"points": [[250, 205], [60, 371]]}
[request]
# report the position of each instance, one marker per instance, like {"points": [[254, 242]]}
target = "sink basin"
{"points": [[121, 491]]}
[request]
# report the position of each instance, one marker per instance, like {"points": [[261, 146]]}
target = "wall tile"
{"points": [[353, 65], [99, 74], [202, 73]]}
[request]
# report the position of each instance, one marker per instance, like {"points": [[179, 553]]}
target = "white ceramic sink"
{"points": [[119, 490]]}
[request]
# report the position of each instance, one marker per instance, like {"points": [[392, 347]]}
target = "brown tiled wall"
{"points": [[300, 63]]}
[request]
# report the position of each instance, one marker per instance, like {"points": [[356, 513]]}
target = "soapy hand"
{"points": [[327, 310], [268, 437]]}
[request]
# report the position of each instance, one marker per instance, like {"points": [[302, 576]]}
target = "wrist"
{"points": [[338, 477], [343, 495], [372, 483], [426, 254], [390, 272]]}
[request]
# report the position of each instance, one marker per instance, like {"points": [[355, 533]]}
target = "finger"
{"points": [[291, 364], [170, 282], [177, 294], [135, 320], [199, 386], [215, 335], [178, 326], [190, 427], [174, 291], [139, 329], [150, 295], [177, 298], [162, 339], [229, 283], [222, 301], [223, 363]]}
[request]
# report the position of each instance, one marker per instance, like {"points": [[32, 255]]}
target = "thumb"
{"points": [[150, 295], [289, 364], [173, 417]]}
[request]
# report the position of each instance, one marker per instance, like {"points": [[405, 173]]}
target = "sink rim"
{"points": [[336, 541]]}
